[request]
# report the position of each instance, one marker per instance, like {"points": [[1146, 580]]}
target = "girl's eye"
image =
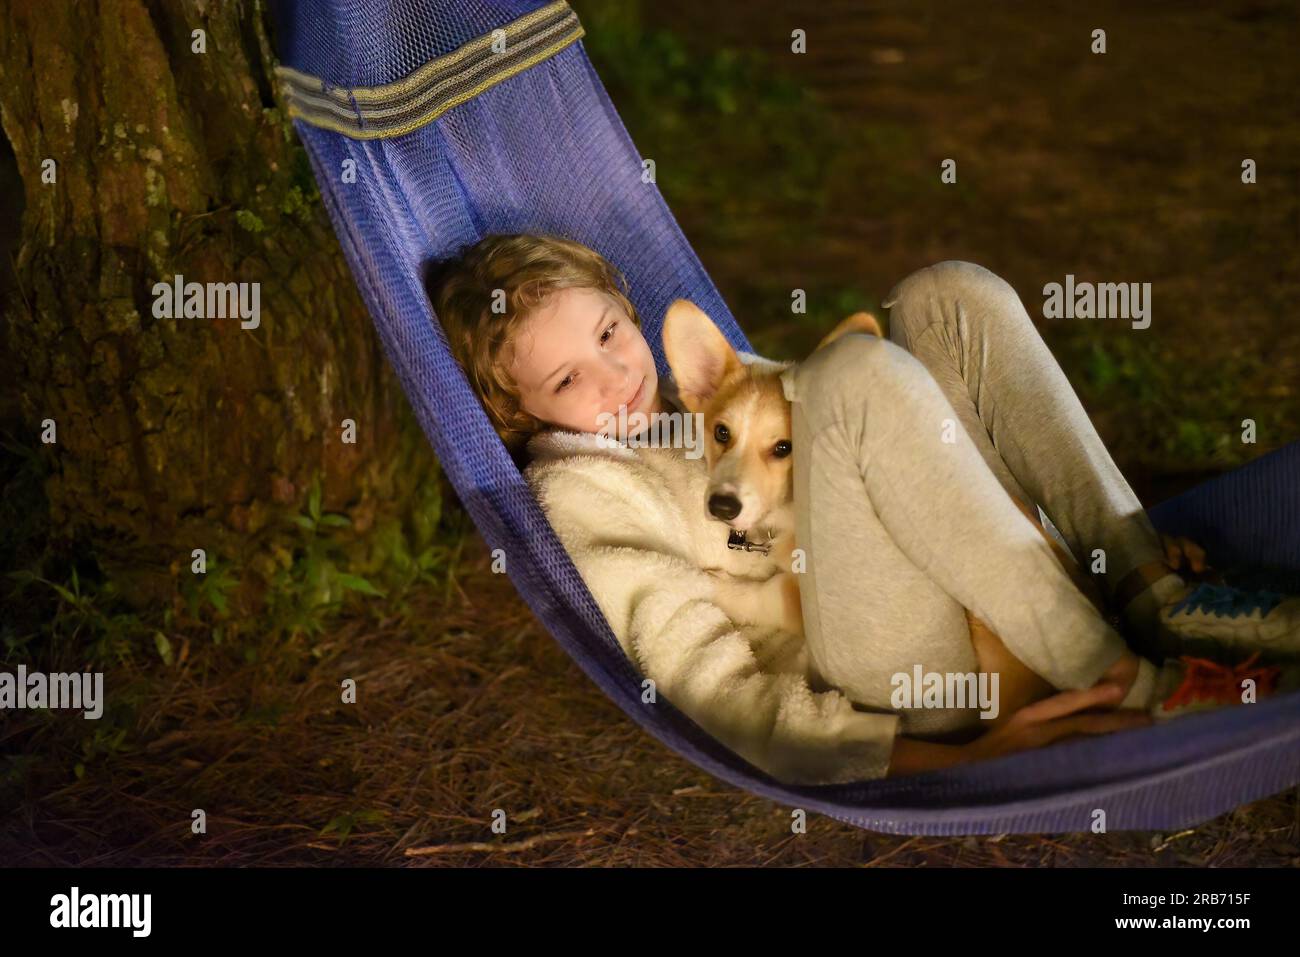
{"points": [[781, 449], [722, 433], [604, 338]]}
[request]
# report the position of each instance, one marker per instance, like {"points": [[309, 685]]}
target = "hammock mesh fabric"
{"points": [[450, 141]]}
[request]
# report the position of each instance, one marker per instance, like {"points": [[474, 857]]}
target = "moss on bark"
{"points": [[175, 434]]}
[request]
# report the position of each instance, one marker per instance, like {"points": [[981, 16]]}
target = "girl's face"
{"points": [[580, 355]]}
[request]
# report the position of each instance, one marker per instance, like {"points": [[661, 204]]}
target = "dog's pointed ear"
{"points": [[698, 354], [858, 322]]}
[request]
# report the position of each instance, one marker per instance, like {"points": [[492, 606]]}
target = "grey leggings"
{"points": [[906, 453]]}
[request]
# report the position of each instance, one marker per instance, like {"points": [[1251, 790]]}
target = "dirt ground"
{"points": [[466, 706]]}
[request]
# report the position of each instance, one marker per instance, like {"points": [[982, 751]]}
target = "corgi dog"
{"points": [[747, 437], [747, 427]]}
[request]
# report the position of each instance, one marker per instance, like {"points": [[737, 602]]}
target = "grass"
{"points": [[65, 614], [1173, 411], [777, 134]]}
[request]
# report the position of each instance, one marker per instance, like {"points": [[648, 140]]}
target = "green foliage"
{"points": [[785, 335], [249, 220], [296, 204], [1121, 364], [344, 824], [15, 770], [87, 616], [211, 590], [23, 506], [290, 192], [89, 627], [311, 583], [320, 564], [1170, 407], [301, 179], [780, 137], [103, 741]]}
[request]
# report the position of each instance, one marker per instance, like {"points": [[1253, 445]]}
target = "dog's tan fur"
{"points": [[749, 400]]}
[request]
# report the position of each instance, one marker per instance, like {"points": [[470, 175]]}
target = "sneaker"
{"points": [[1203, 685], [1234, 619]]}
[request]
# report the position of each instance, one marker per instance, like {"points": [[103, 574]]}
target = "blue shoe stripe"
{"points": [[1227, 601]]}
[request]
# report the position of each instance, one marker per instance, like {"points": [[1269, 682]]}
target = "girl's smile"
{"points": [[634, 403], [578, 358]]}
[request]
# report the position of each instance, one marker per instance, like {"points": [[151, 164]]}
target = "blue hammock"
{"points": [[422, 140]]}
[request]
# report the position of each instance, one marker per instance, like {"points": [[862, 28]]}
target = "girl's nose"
{"points": [[615, 390], [617, 382]]}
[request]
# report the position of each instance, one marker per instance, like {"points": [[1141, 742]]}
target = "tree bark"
{"points": [[174, 434]]}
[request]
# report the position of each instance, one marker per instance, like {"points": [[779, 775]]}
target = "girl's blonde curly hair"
{"points": [[484, 293]]}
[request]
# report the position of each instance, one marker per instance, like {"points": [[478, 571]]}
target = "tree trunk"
{"points": [[175, 434]]}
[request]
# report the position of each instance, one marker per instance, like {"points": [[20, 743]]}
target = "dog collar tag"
{"points": [[737, 539]]}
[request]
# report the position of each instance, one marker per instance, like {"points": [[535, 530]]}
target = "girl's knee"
{"points": [[850, 369], [935, 293], [953, 276], [847, 353]]}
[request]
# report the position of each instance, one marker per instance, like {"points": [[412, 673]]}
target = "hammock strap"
{"points": [[395, 109]]}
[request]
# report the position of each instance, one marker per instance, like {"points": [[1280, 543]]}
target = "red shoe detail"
{"points": [[1207, 680]]}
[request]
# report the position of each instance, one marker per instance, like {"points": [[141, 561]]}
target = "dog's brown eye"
{"points": [[781, 449], [722, 433]]}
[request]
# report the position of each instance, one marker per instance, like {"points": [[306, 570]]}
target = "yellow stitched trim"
{"points": [[350, 130], [342, 116], [378, 94], [336, 102]]}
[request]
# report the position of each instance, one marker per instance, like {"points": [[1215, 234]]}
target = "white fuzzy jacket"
{"points": [[633, 520]]}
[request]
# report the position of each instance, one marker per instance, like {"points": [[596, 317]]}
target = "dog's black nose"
{"points": [[725, 507]]}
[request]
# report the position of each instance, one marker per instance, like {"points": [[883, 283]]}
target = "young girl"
{"points": [[546, 335]]}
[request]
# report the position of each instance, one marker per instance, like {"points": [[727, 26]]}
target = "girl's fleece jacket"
{"points": [[633, 521]]}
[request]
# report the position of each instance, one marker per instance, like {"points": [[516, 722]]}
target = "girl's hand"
{"points": [[1064, 715], [1122, 673], [1181, 553]]}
